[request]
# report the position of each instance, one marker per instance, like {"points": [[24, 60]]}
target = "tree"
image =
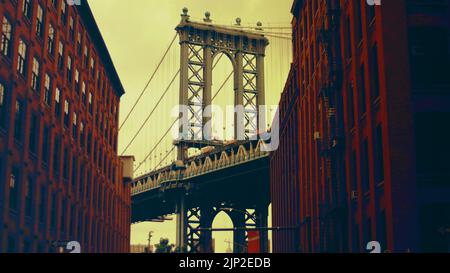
{"points": [[164, 246]]}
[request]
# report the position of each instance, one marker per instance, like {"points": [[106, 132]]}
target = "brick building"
{"points": [[60, 176], [363, 153]]}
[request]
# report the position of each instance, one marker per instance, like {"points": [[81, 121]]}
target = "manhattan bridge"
{"points": [[188, 166]]}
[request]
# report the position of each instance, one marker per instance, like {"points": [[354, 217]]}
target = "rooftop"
{"points": [[91, 26]]}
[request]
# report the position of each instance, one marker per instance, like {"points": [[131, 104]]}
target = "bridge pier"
{"points": [[190, 220], [261, 221], [194, 227], [206, 220], [181, 236], [239, 238]]}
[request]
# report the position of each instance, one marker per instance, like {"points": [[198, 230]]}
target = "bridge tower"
{"points": [[200, 43]]}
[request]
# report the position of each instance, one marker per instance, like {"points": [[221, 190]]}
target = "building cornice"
{"points": [[96, 37]]}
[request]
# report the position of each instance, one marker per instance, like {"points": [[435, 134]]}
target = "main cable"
{"points": [[149, 81]]}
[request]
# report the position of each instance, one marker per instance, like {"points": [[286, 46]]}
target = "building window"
{"points": [[66, 163], [71, 217], [51, 40], [63, 12], [35, 75], [375, 73], [66, 113], [90, 103], [351, 106], [365, 179], [53, 210], [368, 230], [381, 228], [69, 70], [74, 126], [11, 244], [34, 133], [71, 29], [86, 230], [3, 112], [79, 46], [27, 9], [56, 153], [26, 246], [6, 37], [353, 173], [99, 79], [29, 197], [18, 120], [47, 89], [83, 92], [92, 67], [63, 216], [429, 47], [88, 188], [362, 95], [358, 22], [89, 143], [370, 14], [74, 174], [39, 22], [378, 155], [42, 205], [14, 189], [348, 40], [60, 55], [77, 82], [356, 241], [21, 58], [57, 102], [82, 134], [86, 56], [45, 145]]}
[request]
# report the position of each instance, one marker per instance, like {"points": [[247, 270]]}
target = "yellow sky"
{"points": [[137, 32]]}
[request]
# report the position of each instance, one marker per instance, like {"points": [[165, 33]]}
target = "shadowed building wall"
{"points": [[363, 152], [60, 176]]}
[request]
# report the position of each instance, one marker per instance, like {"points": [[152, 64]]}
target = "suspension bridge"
{"points": [[192, 160]]}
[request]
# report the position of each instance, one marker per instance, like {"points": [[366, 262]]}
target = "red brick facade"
{"points": [[60, 176], [361, 154]]}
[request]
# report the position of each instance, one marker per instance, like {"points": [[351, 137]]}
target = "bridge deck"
{"points": [[237, 174]]}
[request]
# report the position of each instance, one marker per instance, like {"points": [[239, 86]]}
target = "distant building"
{"points": [[60, 176], [363, 140], [141, 248]]}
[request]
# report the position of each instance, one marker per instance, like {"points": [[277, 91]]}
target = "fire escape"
{"points": [[331, 143]]}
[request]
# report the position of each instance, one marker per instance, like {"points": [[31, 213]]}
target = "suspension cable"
{"points": [[165, 157], [149, 81], [157, 104], [154, 148], [151, 113]]}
